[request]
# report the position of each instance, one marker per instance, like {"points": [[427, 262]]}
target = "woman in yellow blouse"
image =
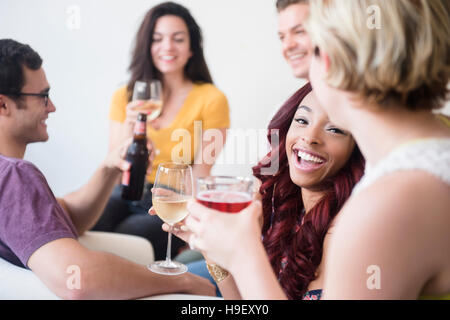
{"points": [[169, 48]]}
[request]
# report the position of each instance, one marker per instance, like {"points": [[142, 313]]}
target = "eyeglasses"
{"points": [[45, 96]]}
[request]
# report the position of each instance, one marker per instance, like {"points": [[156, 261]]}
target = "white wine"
{"points": [[171, 211], [153, 109]]}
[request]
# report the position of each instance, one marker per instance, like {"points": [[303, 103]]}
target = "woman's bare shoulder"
{"points": [[405, 192], [400, 221]]}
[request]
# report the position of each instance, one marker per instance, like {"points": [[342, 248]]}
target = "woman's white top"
{"points": [[429, 155]]}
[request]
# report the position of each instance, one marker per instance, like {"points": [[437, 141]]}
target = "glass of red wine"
{"points": [[225, 193]]}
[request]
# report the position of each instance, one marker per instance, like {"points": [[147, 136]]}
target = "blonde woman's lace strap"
{"points": [[430, 155]]}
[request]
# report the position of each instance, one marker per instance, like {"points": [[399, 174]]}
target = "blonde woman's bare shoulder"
{"points": [[402, 220], [408, 193]]}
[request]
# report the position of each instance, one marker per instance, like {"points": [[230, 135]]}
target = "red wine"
{"points": [[225, 201]]}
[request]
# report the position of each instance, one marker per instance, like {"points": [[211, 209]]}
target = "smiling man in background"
{"points": [[295, 42]]}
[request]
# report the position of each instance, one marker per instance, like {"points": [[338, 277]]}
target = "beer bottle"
{"points": [[137, 155]]}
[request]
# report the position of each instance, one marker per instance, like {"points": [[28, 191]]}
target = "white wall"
{"points": [[85, 65]]}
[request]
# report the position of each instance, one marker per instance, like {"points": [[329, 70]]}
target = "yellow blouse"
{"points": [[205, 107]]}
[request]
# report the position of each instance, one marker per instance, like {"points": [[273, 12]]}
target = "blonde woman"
{"points": [[391, 239]]}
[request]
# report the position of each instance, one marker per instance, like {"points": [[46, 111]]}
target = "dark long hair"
{"points": [[295, 247], [142, 66]]}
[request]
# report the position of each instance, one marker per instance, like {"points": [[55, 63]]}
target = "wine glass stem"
{"points": [[169, 246]]}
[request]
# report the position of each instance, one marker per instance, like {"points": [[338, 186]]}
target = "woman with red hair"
{"points": [[318, 165], [300, 201]]}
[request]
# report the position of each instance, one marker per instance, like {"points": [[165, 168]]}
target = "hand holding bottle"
{"points": [[116, 157], [137, 155]]}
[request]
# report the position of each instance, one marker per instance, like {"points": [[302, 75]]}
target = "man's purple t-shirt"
{"points": [[30, 216]]}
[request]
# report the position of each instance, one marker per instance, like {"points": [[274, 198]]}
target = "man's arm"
{"points": [[85, 205], [72, 271]]}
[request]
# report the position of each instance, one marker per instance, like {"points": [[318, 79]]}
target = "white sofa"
{"points": [[22, 284]]}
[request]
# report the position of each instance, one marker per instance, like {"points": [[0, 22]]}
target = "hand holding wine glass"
{"points": [[223, 193], [223, 220], [173, 187], [225, 239]]}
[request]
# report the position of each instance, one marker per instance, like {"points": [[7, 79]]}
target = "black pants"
{"points": [[131, 217]]}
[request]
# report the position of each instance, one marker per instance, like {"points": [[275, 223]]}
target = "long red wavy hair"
{"points": [[288, 241]]}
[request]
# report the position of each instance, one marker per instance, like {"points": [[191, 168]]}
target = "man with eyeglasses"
{"points": [[39, 231]]}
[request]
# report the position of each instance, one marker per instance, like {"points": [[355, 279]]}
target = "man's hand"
{"points": [[116, 158]]}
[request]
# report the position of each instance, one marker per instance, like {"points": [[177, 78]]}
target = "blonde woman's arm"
{"points": [[234, 242]]}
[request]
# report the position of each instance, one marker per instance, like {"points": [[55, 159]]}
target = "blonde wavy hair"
{"points": [[404, 60]]}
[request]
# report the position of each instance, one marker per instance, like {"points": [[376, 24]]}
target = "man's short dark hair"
{"points": [[283, 4], [14, 56]]}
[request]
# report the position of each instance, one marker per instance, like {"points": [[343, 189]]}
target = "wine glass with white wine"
{"points": [[150, 93], [172, 189]]}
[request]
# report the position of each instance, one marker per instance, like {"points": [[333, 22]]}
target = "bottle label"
{"points": [[140, 128], [126, 178]]}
